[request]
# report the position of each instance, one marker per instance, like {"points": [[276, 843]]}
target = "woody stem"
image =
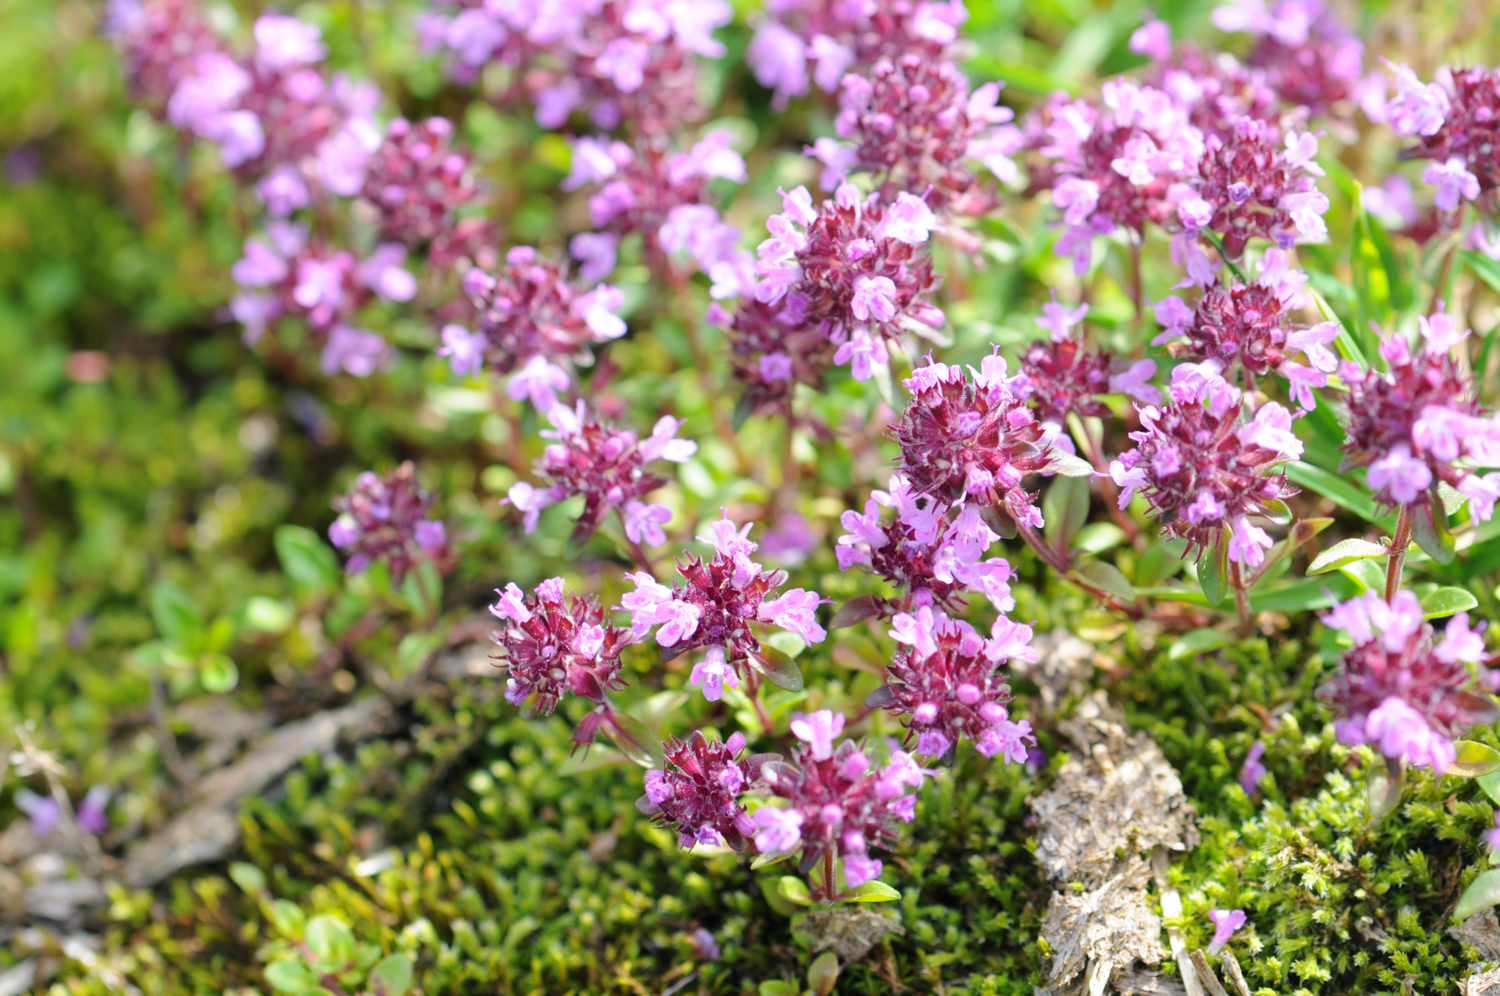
{"points": [[1397, 558]]}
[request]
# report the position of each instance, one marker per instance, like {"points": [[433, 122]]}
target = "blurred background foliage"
{"points": [[149, 460]]}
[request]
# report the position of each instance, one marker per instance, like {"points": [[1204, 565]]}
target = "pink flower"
{"points": [[776, 830], [712, 675], [538, 382], [643, 522], [1153, 40], [818, 730], [1453, 182], [1225, 922], [796, 612]]}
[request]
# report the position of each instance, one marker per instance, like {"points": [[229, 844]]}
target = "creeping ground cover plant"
{"points": [[770, 497]]}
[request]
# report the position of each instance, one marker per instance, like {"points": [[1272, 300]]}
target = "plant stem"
{"points": [[1241, 600], [828, 888], [753, 694], [637, 554], [1137, 291], [1399, 542]]}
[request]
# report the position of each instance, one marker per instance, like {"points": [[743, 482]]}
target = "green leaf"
{"points": [[1491, 785], [1345, 552], [267, 615], [856, 610], [1368, 574], [287, 917], [1065, 508], [766, 860], [779, 987], [248, 877], [1213, 573], [1305, 596], [331, 942], [1481, 894], [1442, 602], [823, 974], [287, 976], [635, 740], [1429, 528], [392, 975], [306, 559], [793, 890], [1484, 268], [779, 669], [1474, 760], [1098, 537], [1107, 577], [1339, 490], [218, 674], [1068, 465], [873, 892], [1199, 641], [176, 616]]}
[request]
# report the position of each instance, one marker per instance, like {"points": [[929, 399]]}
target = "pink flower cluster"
{"points": [[620, 62], [854, 267], [1401, 689], [836, 804], [273, 114], [662, 197], [1125, 162], [971, 437], [933, 554], [529, 315], [606, 465], [947, 684], [1417, 423], [912, 122], [1062, 377], [552, 645], [698, 791], [1204, 468], [1249, 326], [716, 606], [1302, 48], [1456, 124], [286, 274], [805, 42], [774, 349], [417, 182], [387, 518]]}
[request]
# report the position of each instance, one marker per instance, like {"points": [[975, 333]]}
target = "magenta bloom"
{"points": [[1304, 51], [1249, 186], [1119, 163], [529, 309], [1419, 424], [1204, 468], [287, 275], [805, 42], [662, 197], [604, 464], [417, 182], [836, 802], [387, 518], [698, 791], [1062, 377], [933, 554], [620, 63], [1225, 922], [1253, 772], [853, 268], [1401, 689], [552, 645], [773, 350], [1456, 124], [159, 41], [912, 122], [972, 438], [715, 607], [1251, 325], [946, 684], [1492, 835]]}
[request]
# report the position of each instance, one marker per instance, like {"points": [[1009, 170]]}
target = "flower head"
{"points": [[698, 791], [606, 465], [716, 606], [530, 308], [1455, 122], [1402, 689], [1418, 424], [417, 182], [947, 684], [553, 644], [855, 269], [835, 800], [972, 437], [1204, 468], [1225, 922], [387, 518]]}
